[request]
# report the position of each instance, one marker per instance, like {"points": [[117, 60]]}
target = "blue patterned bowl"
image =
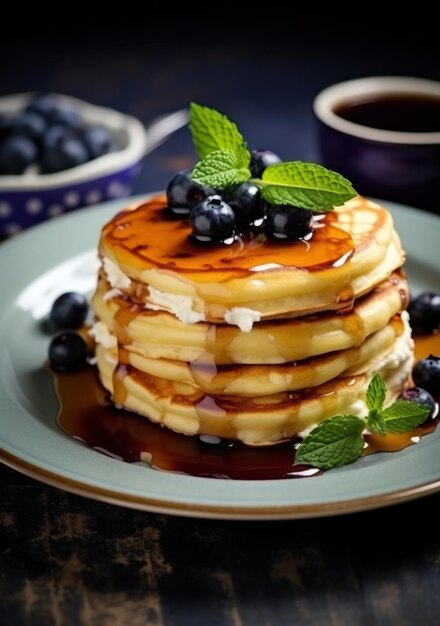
{"points": [[31, 198]]}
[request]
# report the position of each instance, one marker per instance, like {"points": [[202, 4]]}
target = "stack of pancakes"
{"points": [[255, 340]]}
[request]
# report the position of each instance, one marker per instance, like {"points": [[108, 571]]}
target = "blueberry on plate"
{"points": [[69, 310], [260, 159], [67, 351], [426, 374], [212, 220], [16, 154], [245, 200], [420, 396], [183, 193], [288, 222], [424, 312]]}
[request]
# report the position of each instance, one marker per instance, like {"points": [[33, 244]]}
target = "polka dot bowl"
{"points": [[31, 198]]}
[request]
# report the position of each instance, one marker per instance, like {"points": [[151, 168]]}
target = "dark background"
{"points": [[262, 67], [68, 561]]}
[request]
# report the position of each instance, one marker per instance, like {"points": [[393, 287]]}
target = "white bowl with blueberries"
{"points": [[59, 153]]}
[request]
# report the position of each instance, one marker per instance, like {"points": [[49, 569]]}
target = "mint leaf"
{"points": [[335, 441], [213, 131], [403, 416], [220, 169], [376, 393], [306, 185], [376, 423]]}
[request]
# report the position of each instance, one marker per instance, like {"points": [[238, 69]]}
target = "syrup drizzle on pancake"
{"points": [[87, 414], [170, 247]]}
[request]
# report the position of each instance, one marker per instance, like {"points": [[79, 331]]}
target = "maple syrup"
{"points": [[90, 417], [171, 247], [87, 414]]}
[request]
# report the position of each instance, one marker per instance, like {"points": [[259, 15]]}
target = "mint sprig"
{"points": [[307, 185], [212, 131], [403, 416], [376, 393], [225, 159], [338, 440], [221, 169]]}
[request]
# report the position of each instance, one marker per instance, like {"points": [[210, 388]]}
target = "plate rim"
{"points": [[220, 510], [207, 511]]}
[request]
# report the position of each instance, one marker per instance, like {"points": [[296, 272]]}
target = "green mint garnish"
{"points": [[221, 169], [403, 416], [376, 393], [213, 131], [376, 423], [306, 185], [225, 159], [338, 440]]}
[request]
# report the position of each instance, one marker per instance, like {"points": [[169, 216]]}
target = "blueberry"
{"points": [[426, 374], [288, 222], [260, 159], [67, 351], [424, 312], [67, 152], [183, 193], [65, 116], [31, 125], [98, 140], [245, 200], [420, 396], [69, 310], [16, 153], [55, 111], [6, 122], [212, 219], [43, 104], [56, 135]]}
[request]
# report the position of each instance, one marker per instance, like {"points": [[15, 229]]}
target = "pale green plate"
{"points": [[60, 255]]}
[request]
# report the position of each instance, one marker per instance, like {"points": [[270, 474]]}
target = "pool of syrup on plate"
{"points": [[87, 415]]}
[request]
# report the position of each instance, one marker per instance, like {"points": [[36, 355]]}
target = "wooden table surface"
{"points": [[69, 561]]}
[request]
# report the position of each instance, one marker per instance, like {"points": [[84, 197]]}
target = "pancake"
{"points": [[256, 340], [257, 420], [259, 380], [150, 257], [159, 334]]}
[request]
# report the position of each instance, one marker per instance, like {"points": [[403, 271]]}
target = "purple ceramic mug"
{"points": [[383, 134]]}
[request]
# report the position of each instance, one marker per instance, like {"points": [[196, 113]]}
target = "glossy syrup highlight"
{"points": [[150, 236]]}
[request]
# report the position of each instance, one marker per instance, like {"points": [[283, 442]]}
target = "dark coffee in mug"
{"points": [[383, 134], [408, 113]]}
